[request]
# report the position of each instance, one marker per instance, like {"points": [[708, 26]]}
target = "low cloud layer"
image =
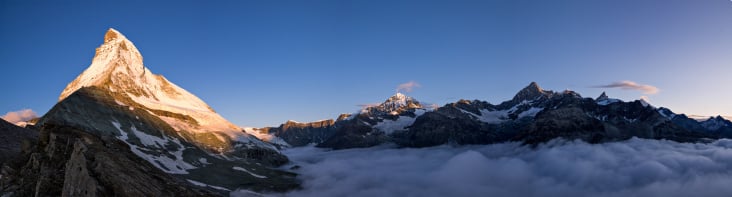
{"points": [[630, 85], [407, 87], [636, 167], [20, 116]]}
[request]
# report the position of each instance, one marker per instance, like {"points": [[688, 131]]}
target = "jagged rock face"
{"points": [[718, 124], [530, 92], [301, 134], [533, 116], [394, 105], [714, 126], [595, 123], [14, 139], [354, 133], [602, 97], [375, 124], [163, 147], [117, 97], [458, 123], [71, 162]]}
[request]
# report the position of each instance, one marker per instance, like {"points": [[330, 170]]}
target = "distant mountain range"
{"points": [[534, 115], [119, 129]]}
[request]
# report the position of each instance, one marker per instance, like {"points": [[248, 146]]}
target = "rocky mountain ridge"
{"points": [[532, 116]]}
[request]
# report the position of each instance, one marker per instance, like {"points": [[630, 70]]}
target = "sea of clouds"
{"points": [[636, 167]]}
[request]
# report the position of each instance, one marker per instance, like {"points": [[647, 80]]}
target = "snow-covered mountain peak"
{"points": [[116, 57], [112, 34], [398, 97], [118, 68], [394, 105], [398, 102]]}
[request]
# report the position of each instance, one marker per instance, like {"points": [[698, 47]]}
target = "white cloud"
{"points": [[630, 85], [407, 87], [636, 167], [20, 116]]}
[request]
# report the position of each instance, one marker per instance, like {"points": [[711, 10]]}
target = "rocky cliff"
{"points": [[68, 161]]}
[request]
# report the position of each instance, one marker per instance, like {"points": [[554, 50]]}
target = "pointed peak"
{"points": [[112, 34], [116, 61], [395, 104], [530, 92], [602, 96], [398, 96], [534, 85]]}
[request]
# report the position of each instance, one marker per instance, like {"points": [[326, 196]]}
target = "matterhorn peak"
{"points": [[118, 69], [117, 62], [112, 34]]}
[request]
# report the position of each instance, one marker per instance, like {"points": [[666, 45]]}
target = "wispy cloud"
{"points": [[23, 115], [407, 87], [630, 85]]}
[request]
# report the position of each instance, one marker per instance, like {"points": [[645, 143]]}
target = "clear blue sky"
{"points": [[260, 63]]}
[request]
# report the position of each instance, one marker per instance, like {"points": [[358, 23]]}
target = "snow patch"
{"points": [[530, 112], [203, 160], [207, 185], [390, 126], [264, 136], [169, 165], [500, 116], [247, 171], [608, 101], [668, 115], [148, 140]]}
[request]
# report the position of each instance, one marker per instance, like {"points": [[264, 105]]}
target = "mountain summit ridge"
{"points": [[118, 67], [532, 116]]}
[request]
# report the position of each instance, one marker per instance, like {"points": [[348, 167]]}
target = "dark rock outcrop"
{"points": [[301, 134], [72, 162], [354, 133], [94, 110], [14, 139]]}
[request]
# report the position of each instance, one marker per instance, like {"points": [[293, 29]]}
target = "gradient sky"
{"points": [[260, 63]]}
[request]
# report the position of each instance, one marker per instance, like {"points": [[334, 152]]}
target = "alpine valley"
{"points": [[120, 130]]}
